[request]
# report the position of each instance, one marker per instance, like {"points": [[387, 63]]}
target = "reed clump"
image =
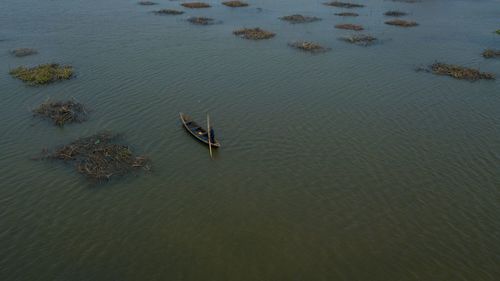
{"points": [[201, 20], [349, 26], [235, 4], [308, 46], [360, 39], [460, 72], [169, 12], [147, 3], [395, 13], [347, 14], [195, 5], [62, 112], [402, 23], [99, 157], [42, 74], [299, 19], [339, 4], [490, 53], [23, 52], [254, 33]]}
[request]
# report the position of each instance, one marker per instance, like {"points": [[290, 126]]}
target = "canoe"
{"points": [[197, 131]]}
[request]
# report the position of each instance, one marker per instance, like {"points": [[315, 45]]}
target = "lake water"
{"points": [[347, 165]]}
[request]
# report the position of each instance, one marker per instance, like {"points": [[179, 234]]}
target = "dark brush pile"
{"points": [[339, 4], [299, 19], [460, 72], [62, 112], [254, 33], [360, 39], [308, 47]]}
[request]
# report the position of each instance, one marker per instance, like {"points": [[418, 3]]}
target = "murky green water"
{"points": [[342, 166]]}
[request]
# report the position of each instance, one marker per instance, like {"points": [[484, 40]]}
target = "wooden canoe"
{"points": [[196, 130]]}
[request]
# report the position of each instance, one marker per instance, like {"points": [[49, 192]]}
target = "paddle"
{"points": [[209, 138]]}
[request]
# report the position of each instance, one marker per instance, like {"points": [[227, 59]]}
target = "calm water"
{"points": [[342, 166]]}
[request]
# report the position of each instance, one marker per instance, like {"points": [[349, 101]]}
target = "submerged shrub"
{"points": [[42, 74], [343, 4], [395, 13], [308, 46], [349, 26], [23, 52], [360, 39], [195, 5], [299, 19], [346, 14], [62, 112], [254, 33], [460, 72], [235, 4], [201, 20], [490, 53], [147, 3], [402, 23], [168, 12]]}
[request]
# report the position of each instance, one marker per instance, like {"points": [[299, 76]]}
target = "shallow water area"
{"points": [[345, 165]]}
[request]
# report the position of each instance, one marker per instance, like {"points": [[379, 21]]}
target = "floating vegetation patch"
{"points": [[408, 1], [147, 3], [360, 39], [195, 5], [402, 23], [308, 47], [168, 12], [347, 14], [62, 112], [395, 13], [490, 53], [343, 4], [201, 20], [23, 52], [460, 72], [299, 19], [254, 33], [349, 26], [42, 74], [235, 4], [100, 157]]}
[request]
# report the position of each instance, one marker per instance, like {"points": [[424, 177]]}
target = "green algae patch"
{"points": [[23, 52], [254, 33], [307, 46], [235, 4], [460, 72], [299, 19], [339, 4], [195, 5], [42, 74], [62, 112]]}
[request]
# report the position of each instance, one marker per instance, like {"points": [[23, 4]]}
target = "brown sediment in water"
{"points": [[42, 74], [299, 19], [308, 46], [195, 5], [402, 23], [254, 33], [347, 14], [62, 112], [23, 52], [490, 53], [168, 12], [147, 3], [460, 72], [360, 39], [235, 4], [349, 26], [339, 4], [201, 20], [100, 157], [395, 13]]}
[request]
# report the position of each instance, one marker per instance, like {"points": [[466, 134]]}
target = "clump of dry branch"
{"points": [[402, 23], [23, 52], [347, 14], [254, 33], [299, 19], [308, 47], [395, 13], [360, 39], [100, 157], [169, 12], [339, 4], [349, 26], [460, 72], [195, 5], [201, 20], [235, 4], [490, 53], [62, 112]]}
